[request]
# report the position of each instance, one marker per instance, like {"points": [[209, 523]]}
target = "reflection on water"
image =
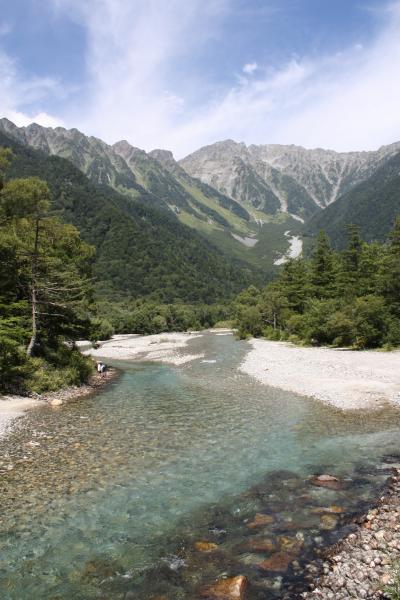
{"points": [[109, 495]]}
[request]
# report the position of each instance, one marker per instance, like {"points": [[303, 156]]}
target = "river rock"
{"points": [[205, 546], [334, 509], [291, 545], [277, 562], [56, 402], [261, 545], [327, 481], [232, 588], [328, 521], [260, 520]]}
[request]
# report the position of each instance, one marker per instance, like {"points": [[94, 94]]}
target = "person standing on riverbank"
{"points": [[101, 368]]}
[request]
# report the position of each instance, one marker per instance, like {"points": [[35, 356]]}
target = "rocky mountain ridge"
{"points": [[249, 201], [288, 178]]}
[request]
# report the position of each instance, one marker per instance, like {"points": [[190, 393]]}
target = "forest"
{"points": [[341, 298]]}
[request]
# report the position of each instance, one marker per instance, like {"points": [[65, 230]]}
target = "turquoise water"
{"points": [[109, 494]]}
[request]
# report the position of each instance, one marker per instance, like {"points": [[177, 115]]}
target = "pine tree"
{"points": [[350, 265], [322, 268], [389, 274], [293, 284], [53, 264]]}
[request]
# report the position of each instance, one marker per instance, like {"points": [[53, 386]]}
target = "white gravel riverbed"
{"points": [[346, 379]]}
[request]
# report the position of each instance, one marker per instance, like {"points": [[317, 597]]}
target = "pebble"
{"points": [[363, 564]]}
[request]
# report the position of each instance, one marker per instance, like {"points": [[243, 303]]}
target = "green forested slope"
{"points": [[140, 251], [340, 298], [372, 205]]}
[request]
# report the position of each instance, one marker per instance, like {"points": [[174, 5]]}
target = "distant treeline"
{"points": [[348, 298]]}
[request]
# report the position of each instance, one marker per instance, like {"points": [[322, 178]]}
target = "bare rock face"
{"points": [[232, 588], [300, 180]]}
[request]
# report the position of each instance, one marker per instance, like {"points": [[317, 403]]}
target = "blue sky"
{"points": [[184, 73]]}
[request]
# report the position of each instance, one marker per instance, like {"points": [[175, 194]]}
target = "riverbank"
{"points": [[363, 565], [161, 347], [12, 407], [345, 379]]}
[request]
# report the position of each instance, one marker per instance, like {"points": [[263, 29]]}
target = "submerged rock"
{"points": [[328, 521], [260, 520], [277, 562], [232, 588], [205, 547], [292, 545], [327, 481], [336, 510], [261, 545]]}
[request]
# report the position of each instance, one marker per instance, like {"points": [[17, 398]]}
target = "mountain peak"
{"points": [[163, 156]]}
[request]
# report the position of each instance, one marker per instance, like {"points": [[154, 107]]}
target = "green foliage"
{"points": [[42, 375], [146, 317], [348, 298], [393, 591], [140, 251], [45, 291], [100, 329]]}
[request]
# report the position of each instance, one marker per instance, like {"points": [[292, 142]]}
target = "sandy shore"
{"points": [[162, 347], [345, 379], [12, 407]]}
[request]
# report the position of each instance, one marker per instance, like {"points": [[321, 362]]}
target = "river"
{"points": [[109, 494]]}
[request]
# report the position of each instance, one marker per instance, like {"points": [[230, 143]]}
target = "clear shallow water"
{"points": [[109, 494]]}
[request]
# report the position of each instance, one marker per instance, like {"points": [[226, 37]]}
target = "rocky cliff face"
{"points": [[92, 156], [289, 178]]}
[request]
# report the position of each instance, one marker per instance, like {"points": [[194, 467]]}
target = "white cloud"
{"points": [[42, 118], [136, 50], [139, 87], [18, 92], [249, 68]]}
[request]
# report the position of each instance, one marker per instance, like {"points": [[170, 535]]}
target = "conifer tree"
{"points": [[349, 270], [52, 262], [293, 283], [322, 268], [389, 275]]}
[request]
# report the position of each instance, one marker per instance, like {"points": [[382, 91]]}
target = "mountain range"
{"points": [[253, 203], [140, 250]]}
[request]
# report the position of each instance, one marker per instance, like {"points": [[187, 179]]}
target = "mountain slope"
{"points": [[373, 204], [302, 181], [156, 179], [140, 251]]}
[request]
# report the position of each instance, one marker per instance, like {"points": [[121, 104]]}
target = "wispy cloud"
{"points": [[249, 68], [143, 83], [18, 92]]}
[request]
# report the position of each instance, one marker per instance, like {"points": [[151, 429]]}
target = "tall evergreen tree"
{"points": [[389, 274], [322, 268], [293, 283], [349, 270], [51, 261]]}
